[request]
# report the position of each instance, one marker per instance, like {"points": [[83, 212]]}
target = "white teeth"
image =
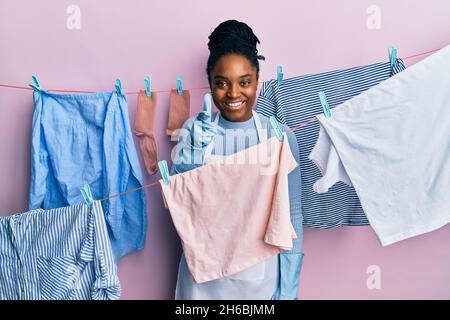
{"points": [[236, 104]]}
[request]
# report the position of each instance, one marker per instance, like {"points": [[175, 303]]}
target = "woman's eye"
{"points": [[221, 84], [245, 83]]}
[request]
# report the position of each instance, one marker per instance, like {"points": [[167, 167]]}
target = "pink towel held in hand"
{"points": [[234, 213]]}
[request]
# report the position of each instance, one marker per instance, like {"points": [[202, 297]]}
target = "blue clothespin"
{"points": [[207, 103], [325, 105], [148, 90], [36, 86], [279, 75], [179, 85], [119, 87], [162, 165], [87, 195], [275, 126], [392, 56]]}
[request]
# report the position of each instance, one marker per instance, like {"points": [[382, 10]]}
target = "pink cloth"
{"points": [[143, 128], [178, 110], [233, 213]]}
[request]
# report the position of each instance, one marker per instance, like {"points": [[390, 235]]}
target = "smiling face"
{"points": [[234, 85]]}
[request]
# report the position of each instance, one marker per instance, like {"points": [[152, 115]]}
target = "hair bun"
{"points": [[232, 31]]}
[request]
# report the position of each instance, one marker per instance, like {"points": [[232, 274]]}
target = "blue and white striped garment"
{"points": [[57, 254], [296, 101]]}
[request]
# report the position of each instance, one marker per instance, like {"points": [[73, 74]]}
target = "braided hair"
{"points": [[230, 37]]}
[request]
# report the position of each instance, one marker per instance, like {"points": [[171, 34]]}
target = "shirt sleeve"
{"points": [[294, 181], [39, 158], [267, 103], [290, 268], [291, 261], [106, 285]]}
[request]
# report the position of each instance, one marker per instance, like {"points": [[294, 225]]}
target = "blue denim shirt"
{"points": [[80, 139]]}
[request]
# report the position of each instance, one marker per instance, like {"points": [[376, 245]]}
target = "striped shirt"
{"points": [[296, 101], [57, 254]]}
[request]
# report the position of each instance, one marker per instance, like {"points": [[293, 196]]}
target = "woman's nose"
{"points": [[233, 92]]}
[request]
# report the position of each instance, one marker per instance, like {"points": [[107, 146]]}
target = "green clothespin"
{"points": [[392, 56], [119, 88], [179, 85], [275, 126], [325, 105], [36, 86], [148, 90], [279, 75], [163, 169], [87, 195]]}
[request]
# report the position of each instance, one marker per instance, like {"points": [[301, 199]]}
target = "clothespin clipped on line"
{"points": [[277, 129], [325, 105], [163, 169], [119, 88], [36, 86], [148, 90], [179, 85], [87, 195], [279, 75], [392, 56]]}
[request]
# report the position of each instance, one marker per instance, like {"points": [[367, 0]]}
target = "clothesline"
{"points": [[200, 88], [303, 124], [165, 90]]}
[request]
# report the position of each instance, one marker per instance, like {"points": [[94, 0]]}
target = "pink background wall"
{"points": [[132, 39]]}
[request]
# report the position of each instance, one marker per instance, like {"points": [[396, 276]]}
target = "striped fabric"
{"points": [[296, 101], [57, 254]]}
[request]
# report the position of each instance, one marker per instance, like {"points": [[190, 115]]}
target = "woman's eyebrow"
{"points": [[222, 77]]}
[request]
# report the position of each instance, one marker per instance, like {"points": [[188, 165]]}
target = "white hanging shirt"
{"points": [[392, 143]]}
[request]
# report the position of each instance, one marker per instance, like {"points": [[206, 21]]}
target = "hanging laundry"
{"points": [[58, 254], [290, 267], [392, 143], [143, 128], [178, 110], [216, 243], [276, 277], [80, 139], [296, 101]]}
